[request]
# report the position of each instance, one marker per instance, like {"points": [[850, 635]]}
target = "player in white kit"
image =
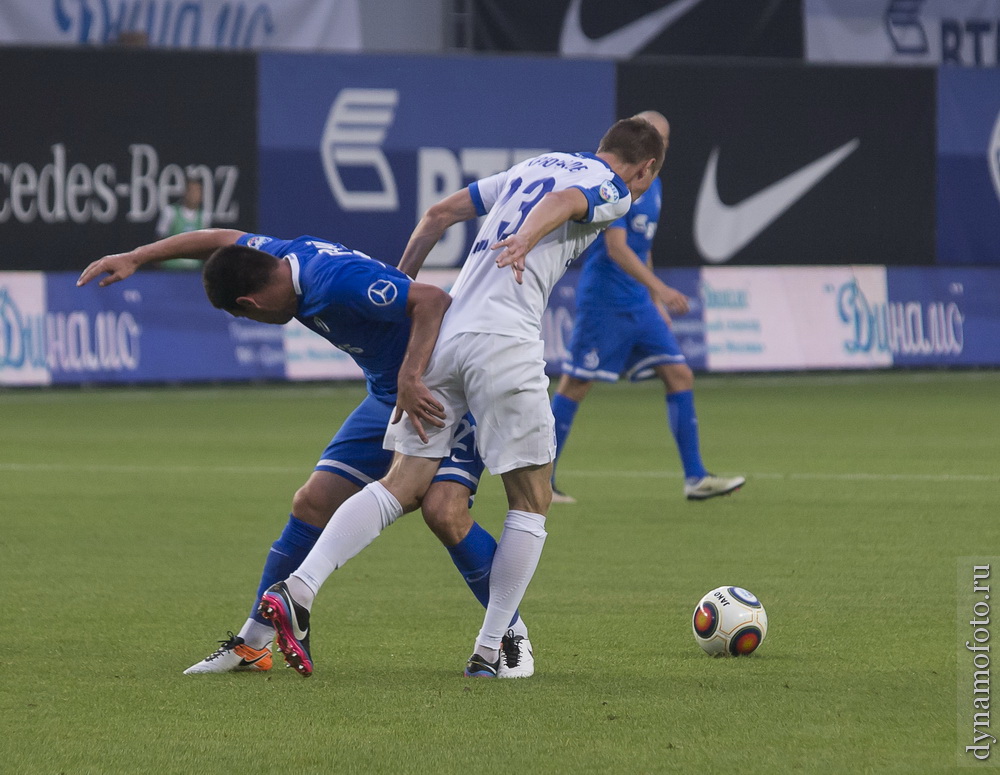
{"points": [[541, 214]]}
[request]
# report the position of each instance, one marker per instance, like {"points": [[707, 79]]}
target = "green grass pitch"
{"points": [[135, 523]]}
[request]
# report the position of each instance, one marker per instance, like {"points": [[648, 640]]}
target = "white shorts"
{"points": [[501, 380]]}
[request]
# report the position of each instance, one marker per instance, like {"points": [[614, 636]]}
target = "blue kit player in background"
{"points": [[380, 317], [622, 327]]}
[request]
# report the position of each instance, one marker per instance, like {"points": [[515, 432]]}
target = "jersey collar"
{"points": [[595, 157], [293, 261]]}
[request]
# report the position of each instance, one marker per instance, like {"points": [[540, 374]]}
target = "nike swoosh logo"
{"points": [[300, 634], [721, 230], [247, 662], [623, 42]]}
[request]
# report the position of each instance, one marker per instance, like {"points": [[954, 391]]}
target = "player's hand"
{"points": [[514, 254], [419, 405], [675, 301], [117, 267]]}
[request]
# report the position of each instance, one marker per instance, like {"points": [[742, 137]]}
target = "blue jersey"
{"points": [[605, 284], [356, 303]]}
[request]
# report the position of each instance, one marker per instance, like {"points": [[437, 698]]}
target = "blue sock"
{"points": [[564, 410], [286, 554], [473, 556], [684, 426]]}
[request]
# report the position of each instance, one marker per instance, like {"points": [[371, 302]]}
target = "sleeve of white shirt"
{"points": [[486, 191], [607, 201]]}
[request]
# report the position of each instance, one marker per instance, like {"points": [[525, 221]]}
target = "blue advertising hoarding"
{"points": [[158, 327], [943, 317], [968, 167], [155, 327], [355, 148]]}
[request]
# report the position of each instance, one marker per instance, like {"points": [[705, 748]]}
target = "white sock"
{"points": [[353, 526], [255, 634], [514, 563], [490, 655]]}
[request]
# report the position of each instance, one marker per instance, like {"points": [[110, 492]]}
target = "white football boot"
{"points": [[233, 655], [516, 658], [710, 486]]}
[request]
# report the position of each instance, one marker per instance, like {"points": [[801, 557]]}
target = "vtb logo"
{"points": [[904, 28], [355, 130]]}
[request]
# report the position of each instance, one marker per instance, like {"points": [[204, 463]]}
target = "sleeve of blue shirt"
{"points": [[366, 288]]}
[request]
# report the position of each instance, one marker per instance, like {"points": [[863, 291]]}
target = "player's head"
{"points": [[249, 283], [659, 121], [638, 148]]}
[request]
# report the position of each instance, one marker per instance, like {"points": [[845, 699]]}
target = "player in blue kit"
{"points": [[622, 327], [384, 320]]}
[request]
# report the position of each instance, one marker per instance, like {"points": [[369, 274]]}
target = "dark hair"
{"points": [[633, 140], [234, 271]]}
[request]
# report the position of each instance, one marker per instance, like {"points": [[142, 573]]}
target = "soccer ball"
{"points": [[729, 621]]}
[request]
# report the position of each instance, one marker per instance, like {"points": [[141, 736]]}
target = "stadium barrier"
{"points": [[157, 327]]}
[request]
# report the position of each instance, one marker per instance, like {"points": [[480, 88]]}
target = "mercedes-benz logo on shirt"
{"points": [[382, 293]]}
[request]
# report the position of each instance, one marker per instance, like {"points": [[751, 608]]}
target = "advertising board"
{"points": [[903, 32], [633, 28], [356, 148], [95, 143], [968, 167], [333, 25], [782, 164]]}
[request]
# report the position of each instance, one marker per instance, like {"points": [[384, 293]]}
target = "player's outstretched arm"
{"points": [[426, 305], [554, 209], [452, 209], [193, 244], [616, 240]]}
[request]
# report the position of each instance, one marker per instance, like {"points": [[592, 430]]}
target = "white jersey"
{"points": [[487, 298]]}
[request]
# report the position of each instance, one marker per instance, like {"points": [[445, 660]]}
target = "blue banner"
{"points": [[968, 170], [355, 148], [154, 327], [158, 326], [943, 317]]}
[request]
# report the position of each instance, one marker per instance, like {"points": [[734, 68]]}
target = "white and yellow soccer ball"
{"points": [[729, 621]]}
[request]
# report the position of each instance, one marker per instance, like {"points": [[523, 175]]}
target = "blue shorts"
{"points": [[356, 452], [609, 343]]}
